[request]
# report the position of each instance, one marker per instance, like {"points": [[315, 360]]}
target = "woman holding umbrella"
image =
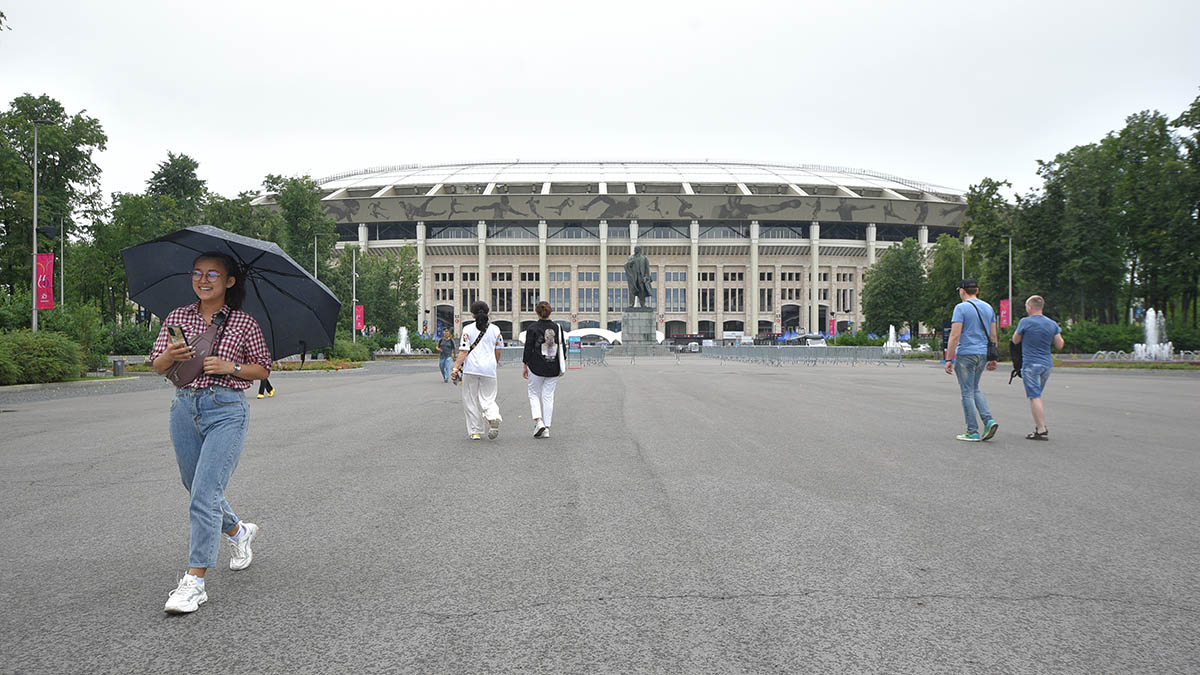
{"points": [[209, 415]]}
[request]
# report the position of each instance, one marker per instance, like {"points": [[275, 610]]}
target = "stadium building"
{"points": [[734, 247]]}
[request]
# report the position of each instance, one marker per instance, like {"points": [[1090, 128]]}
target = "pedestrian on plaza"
{"points": [[543, 362], [478, 357], [973, 329], [264, 386], [1037, 334], [209, 415], [445, 354]]}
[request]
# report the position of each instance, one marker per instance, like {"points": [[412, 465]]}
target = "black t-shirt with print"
{"points": [[543, 341]]}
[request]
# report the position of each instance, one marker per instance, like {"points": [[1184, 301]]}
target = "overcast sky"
{"points": [[942, 92]]}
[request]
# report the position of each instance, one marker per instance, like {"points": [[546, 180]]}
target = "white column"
{"points": [[574, 295], [633, 234], [752, 308], [604, 274], [693, 280], [485, 282], [424, 299], [543, 269], [778, 279], [720, 303], [814, 247], [516, 300], [362, 236], [870, 244], [923, 236], [458, 297]]}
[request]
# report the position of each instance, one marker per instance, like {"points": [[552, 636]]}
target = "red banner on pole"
{"points": [[45, 281], [359, 318], [1004, 315], [833, 327]]}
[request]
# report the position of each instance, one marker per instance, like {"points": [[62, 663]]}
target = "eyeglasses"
{"points": [[212, 275]]}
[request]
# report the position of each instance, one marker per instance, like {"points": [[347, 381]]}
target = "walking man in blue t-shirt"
{"points": [[1036, 334], [973, 325]]}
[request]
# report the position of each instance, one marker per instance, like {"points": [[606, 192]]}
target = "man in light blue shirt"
{"points": [[1036, 334], [973, 325]]}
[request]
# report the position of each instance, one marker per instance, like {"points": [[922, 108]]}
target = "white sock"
{"points": [[199, 580], [241, 533]]}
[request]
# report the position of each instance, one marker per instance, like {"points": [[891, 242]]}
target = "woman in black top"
{"points": [[543, 359]]}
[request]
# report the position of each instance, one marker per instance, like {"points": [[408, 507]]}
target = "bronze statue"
{"points": [[637, 275]]}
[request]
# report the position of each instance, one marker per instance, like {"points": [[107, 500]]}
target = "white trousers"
{"points": [[479, 402], [541, 397]]}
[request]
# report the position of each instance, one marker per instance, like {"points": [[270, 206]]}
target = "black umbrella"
{"points": [[296, 312]]}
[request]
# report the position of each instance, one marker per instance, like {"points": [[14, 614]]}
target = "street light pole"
{"points": [[1010, 305], [354, 293], [33, 286], [62, 258]]}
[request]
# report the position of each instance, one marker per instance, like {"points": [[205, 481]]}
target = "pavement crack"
{"points": [[442, 617]]}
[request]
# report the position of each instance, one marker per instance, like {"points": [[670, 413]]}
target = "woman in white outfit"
{"points": [[543, 360], [478, 355]]}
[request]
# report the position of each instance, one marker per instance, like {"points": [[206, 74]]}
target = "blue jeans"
{"points": [[208, 427], [968, 368], [445, 362], [1035, 376]]}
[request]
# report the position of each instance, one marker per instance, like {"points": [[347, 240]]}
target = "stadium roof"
{"points": [[616, 173]]}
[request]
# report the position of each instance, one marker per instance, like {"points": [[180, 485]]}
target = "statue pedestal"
{"points": [[637, 326]]}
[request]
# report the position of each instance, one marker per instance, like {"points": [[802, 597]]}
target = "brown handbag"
{"points": [[184, 373]]}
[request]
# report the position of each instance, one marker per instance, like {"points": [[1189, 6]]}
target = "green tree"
{"points": [[1187, 233], [387, 289], [893, 289], [941, 282], [68, 179], [237, 216], [302, 219], [989, 222], [176, 178]]}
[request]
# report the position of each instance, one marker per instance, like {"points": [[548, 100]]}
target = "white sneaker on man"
{"points": [[545, 432], [240, 557], [539, 429], [187, 596]]}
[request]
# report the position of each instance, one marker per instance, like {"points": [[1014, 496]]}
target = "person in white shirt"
{"points": [[478, 356]]}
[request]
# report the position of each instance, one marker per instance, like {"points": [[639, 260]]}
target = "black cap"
{"points": [[969, 284]]}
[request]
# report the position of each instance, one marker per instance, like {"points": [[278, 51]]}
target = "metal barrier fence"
{"points": [[769, 355], [591, 356]]}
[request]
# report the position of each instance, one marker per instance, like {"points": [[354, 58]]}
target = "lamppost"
{"points": [[1010, 305], [34, 275], [354, 293]]}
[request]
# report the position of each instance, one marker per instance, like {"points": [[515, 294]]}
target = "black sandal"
{"points": [[1038, 436]]}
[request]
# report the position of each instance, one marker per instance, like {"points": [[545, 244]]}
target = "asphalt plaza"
{"points": [[685, 517]]}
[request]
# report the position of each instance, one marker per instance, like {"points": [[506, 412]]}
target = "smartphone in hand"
{"points": [[175, 334]]}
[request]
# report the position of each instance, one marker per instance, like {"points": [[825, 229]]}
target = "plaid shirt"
{"points": [[241, 341]]}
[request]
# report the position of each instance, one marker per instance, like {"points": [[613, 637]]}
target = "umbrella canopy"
{"points": [[296, 312]]}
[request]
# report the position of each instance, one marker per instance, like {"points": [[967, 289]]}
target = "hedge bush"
{"points": [[44, 356], [134, 338], [346, 349]]}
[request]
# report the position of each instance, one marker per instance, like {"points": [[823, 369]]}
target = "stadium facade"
{"points": [[734, 247]]}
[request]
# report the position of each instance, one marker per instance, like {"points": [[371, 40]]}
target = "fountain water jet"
{"points": [[1156, 347]]}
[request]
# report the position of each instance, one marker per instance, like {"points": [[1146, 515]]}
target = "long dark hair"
{"points": [[234, 295], [480, 310]]}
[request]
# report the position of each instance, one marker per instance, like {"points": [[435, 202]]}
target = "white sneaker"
{"points": [[545, 432], [187, 596], [539, 430], [240, 557], [493, 429]]}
